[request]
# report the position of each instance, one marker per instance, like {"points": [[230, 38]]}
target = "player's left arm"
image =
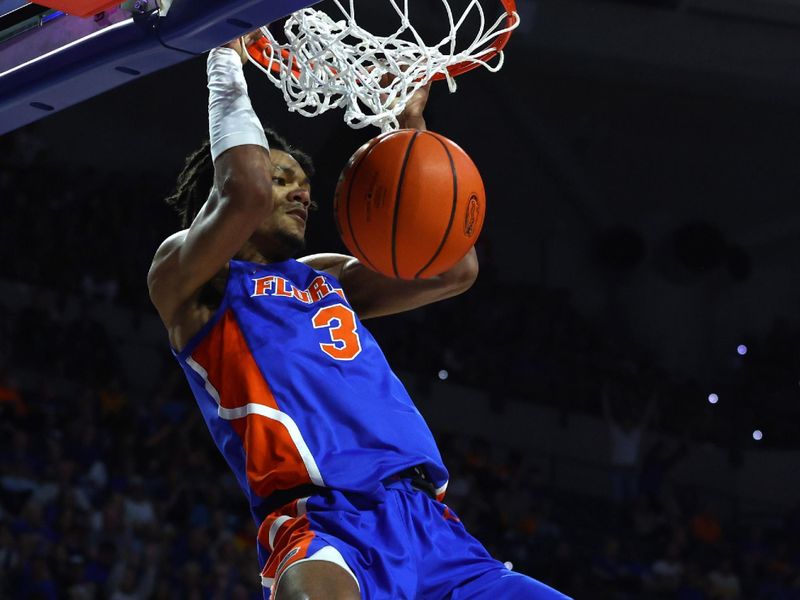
{"points": [[374, 295]]}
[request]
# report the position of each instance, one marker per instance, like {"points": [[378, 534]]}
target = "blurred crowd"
{"points": [[527, 341], [105, 495], [109, 492]]}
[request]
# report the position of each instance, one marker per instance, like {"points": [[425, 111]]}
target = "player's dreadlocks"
{"points": [[197, 177]]}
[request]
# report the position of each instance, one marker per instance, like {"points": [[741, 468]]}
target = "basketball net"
{"points": [[335, 63]]}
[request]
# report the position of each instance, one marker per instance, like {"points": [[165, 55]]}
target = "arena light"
{"points": [[443, 374], [713, 398], [741, 349], [758, 435]]}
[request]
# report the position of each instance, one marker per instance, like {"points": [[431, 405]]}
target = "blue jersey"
{"points": [[296, 391]]}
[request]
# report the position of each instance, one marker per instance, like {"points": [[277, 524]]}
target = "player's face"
{"points": [[282, 234]]}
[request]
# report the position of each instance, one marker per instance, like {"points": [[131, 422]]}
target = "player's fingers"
{"points": [[239, 47], [247, 41], [242, 50], [234, 44], [252, 37], [240, 44]]}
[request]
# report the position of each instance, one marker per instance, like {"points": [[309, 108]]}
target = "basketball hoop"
{"points": [[328, 63]]}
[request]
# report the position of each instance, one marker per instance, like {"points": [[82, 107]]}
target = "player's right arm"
{"points": [[239, 201]]}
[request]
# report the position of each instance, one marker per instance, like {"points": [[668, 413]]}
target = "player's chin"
{"points": [[295, 228], [292, 240]]}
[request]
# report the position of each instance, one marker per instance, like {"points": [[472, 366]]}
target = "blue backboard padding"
{"points": [[125, 51], [81, 71], [9, 5], [199, 25]]}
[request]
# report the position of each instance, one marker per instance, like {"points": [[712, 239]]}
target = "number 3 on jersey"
{"points": [[341, 324]]}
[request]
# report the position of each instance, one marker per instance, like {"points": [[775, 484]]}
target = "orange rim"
{"points": [[497, 47], [258, 48]]}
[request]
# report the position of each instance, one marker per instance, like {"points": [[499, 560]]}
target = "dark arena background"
{"points": [[617, 398]]}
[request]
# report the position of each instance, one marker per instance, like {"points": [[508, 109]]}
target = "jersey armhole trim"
{"points": [[198, 337]]}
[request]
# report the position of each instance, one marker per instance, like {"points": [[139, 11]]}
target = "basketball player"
{"points": [[341, 471]]}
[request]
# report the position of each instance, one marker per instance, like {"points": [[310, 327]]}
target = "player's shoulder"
{"points": [[328, 262], [161, 272], [169, 244]]}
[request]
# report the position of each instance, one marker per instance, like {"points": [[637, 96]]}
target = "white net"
{"points": [[327, 63]]}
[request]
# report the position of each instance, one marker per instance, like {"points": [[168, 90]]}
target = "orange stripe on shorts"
{"points": [[291, 544]]}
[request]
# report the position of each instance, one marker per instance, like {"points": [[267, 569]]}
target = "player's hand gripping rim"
{"points": [[240, 44]]}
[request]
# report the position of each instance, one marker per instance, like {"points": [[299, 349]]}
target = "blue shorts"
{"points": [[403, 546]]}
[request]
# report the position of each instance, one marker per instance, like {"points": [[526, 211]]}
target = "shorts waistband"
{"points": [[416, 475], [281, 498]]}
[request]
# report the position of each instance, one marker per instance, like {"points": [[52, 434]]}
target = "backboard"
{"points": [[50, 60]]}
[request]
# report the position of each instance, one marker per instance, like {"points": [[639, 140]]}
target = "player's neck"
{"points": [[250, 253]]}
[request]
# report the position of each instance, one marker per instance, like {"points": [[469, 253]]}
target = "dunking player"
{"points": [[341, 471]]}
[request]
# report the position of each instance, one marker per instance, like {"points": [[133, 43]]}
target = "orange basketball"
{"points": [[409, 204]]}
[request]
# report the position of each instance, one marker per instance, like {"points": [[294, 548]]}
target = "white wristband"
{"points": [[231, 119]]}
